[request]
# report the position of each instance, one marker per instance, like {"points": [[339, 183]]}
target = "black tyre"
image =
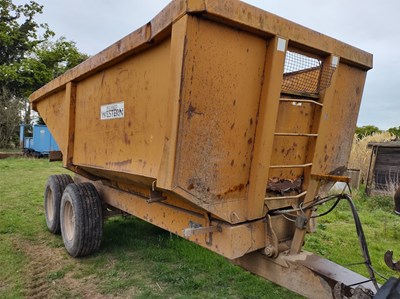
{"points": [[55, 187], [81, 219]]}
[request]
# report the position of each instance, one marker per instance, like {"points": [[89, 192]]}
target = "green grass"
{"points": [[336, 237], [21, 217], [139, 260], [136, 259]]}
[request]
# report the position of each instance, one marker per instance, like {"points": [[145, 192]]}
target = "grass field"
{"points": [[336, 237], [136, 259]]}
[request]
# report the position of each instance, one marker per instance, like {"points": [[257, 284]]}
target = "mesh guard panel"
{"points": [[305, 75]]}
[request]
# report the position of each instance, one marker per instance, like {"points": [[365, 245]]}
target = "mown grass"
{"points": [[136, 259], [21, 216]]}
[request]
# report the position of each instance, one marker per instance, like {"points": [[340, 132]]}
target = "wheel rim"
{"points": [[49, 204], [69, 221]]}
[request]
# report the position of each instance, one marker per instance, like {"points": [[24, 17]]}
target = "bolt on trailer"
{"points": [[216, 121]]}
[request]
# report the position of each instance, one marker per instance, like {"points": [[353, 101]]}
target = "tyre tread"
{"points": [[88, 211], [57, 183]]}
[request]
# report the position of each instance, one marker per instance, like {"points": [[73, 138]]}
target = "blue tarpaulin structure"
{"points": [[41, 142]]}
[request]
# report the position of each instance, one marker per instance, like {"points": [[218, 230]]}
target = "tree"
{"points": [[29, 58], [395, 131], [364, 131], [10, 109], [45, 62], [19, 31]]}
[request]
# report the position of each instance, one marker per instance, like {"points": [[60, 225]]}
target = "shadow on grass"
{"points": [[160, 264]]}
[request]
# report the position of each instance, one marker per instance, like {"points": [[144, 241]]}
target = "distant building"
{"points": [[384, 167]]}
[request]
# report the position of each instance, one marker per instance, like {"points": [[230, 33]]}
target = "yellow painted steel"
{"points": [[206, 122]]}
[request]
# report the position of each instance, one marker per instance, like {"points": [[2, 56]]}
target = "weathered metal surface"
{"points": [[191, 106], [199, 230], [234, 13], [55, 156], [305, 273], [266, 123], [218, 115], [132, 144], [176, 216], [340, 112], [212, 119]]}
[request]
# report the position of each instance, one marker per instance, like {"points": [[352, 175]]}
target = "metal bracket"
{"points": [[156, 196], [301, 221], [271, 240], [341, 291], [330, 178], [198, 229]]}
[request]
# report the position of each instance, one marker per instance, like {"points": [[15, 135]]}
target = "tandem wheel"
{"points": [[54, 189], [81, 219]]}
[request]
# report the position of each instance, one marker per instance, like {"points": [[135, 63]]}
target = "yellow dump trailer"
{"points": [[210, 121]]}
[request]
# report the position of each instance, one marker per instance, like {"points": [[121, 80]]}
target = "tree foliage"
{"points": [[364, 131], [29, 58], [19, 31], [10, 109], [47, 61], [395, 131]]}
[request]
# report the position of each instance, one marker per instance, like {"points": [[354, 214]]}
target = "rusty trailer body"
{"points": [[207, 119]]}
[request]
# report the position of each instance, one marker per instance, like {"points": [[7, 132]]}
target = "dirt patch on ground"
{"points": [[49, 273]]}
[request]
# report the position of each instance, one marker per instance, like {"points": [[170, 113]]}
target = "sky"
{"points": [[371, 25]]}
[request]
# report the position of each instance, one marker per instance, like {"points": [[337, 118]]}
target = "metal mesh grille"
{"points": [[305, 75]]}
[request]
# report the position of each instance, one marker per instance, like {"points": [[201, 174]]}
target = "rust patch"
{"points": [[339, 171], [283, 186], [250, 141], [120, 164], [198, 186], [126, 139], [236, 188], [192, 111]]}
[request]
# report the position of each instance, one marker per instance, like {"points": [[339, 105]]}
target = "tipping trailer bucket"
{"points": [[216, 110]]}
